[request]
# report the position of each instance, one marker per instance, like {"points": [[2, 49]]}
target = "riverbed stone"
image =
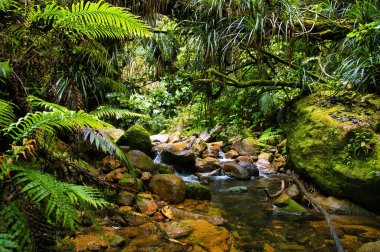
{"points": [[336, 146], [231, 154], [236, 171], [137, 138], [294, 192], [128, 182], [370, 247], [197, 191], [207, 164], [199, 146], [212, 150], [109, 163], [168, 187], [251, 168], [286, 204], [248, 146], [267, 156], [177, 229], [160, 138], [146, 203], [174, 154], [139, 160], [237, 189], [125, 198], [339, 206]]}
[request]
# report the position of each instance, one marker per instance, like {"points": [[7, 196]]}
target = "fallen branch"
{"points": [[323, 211], [278, 193]]}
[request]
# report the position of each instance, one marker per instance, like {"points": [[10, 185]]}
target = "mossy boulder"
{"points": [[198, 191], [139, 160], [168, 187], [137, 138], [248, 146], [286, 204], [334, 141]]}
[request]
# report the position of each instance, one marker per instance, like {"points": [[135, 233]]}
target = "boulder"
{"points": [[164, 169], [146, 203], [266, 156], [109, 163], [197, 191], [172, 154], [336, 146], [137, 138], [114, 134], [370, 247], [129, 182], [339, 206], [198, 146], [175, 137], [236, 171], [168, 187], [248, 146], [251, 168], [125, 198], [231, 154], [207, 164], [139, 160], [177, 229], [133, 218], [160, 138], [213, 149]]}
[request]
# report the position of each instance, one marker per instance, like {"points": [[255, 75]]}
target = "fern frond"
{"points": [[113, 85], [52, 121], [36, 102], [109, 111], [96, 20], [60, 197], [15, 221], [7, 115], [6, 243]]}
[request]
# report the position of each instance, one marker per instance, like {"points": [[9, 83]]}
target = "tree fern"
{"points": [[52, 121], [96, 20], [109, 111], [6, 114], [58, 197]]}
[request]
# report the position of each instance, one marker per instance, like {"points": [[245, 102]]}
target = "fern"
{"points": [[6, 114], [95, 20], [6, 243], [17, 225], [52, 121], [60, 197], [108, 111], [38, 102]]}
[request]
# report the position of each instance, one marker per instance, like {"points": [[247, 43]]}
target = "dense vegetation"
{"points": [[69, 69]]}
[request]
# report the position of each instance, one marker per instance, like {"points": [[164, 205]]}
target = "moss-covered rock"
{"points": [[137, 138], [335, 143], [197, 191], [286, 204]]}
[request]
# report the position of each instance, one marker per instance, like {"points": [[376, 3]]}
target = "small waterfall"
{"points": [[223, 159], [158, 158]]}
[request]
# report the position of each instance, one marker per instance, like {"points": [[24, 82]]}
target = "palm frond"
{"points": [[49, 106], [109, 111], [6, 114], [60, 197], [52, 121], [96, 20]]}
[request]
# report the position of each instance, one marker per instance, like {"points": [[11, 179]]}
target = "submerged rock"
{"points": [[197, 191], [237, 189], [177, 229], [337, 146], [370, 247], [168, 187]]}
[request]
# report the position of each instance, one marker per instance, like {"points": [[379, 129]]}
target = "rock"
{"points": [[294, 192], [115, 175], [133, 218], [179, 214], [137, 138], [236, 171], [231, 154], [266, 156], [109, 163], [338, 154], [245, 159], [146, 203], [199, 146], [248, 146], [89, 242], [207, 237], [175, 137], [279, 161], [237, 189], [339, 206], [128, 182], [139, 160], [125, 198], [114, 134], [168, 187], [145, 176], [287, 204], [160, 138], [370, 247], [207, 164], [173, 154], [251, 168], [177, 229], [117, 241], [212, 149], [197, 191], [164, 169]]}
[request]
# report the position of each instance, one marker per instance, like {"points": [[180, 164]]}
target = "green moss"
{"points": [[341, 156], [286, 204], [137, 138], [197, 191]]}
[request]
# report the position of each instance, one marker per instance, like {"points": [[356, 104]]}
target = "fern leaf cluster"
{"points": [[52, 121], [60, 197], [109, 111], [6, 114], [95, 20]]}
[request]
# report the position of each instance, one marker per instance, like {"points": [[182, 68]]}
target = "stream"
{"points": [[256, 226]]}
